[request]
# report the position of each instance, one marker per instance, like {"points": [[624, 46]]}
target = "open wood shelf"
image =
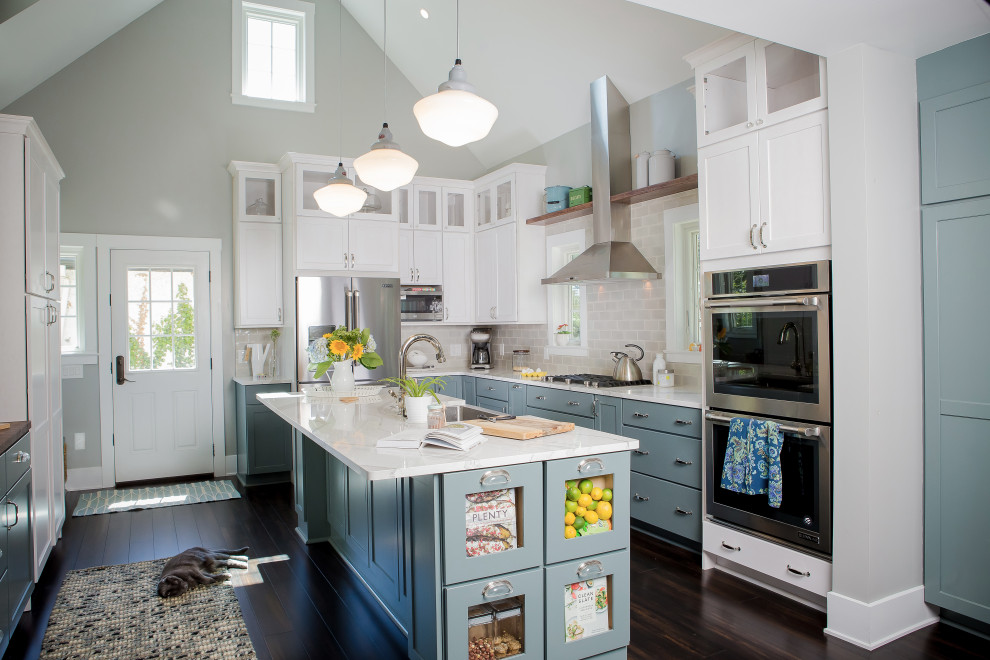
{"points": [[689, 182]]}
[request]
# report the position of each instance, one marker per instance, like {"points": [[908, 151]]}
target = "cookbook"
{"points": [[456, 435], [490, 522]]}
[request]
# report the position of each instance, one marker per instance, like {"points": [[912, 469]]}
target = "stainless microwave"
{"points": [[421, 302]]}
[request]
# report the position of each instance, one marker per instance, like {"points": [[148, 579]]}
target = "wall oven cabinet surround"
{"points": [[745, 85], [769, 332], [257, 245]]}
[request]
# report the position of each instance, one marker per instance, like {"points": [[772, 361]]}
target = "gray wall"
{"points": [[81, 414], [144, 127], [665, 120]]}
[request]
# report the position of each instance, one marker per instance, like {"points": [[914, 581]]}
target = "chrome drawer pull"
{"points": [[497, 589], [491, 389], [735, 548], [639, 414], [685, 422], [797, 572], [573, 403], [517, 387], [17, 516], [642, 452], [493, 477], [590, 567], [639, 497], [682, 512], [590, 463], [683, 462], [22, 457], [540, 398]]}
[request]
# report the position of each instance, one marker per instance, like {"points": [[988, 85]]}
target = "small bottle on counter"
{"points": [[659, 365], [435, 416]]}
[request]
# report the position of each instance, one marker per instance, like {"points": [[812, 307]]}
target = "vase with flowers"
{"points": [[563, 335], [340, 349]]}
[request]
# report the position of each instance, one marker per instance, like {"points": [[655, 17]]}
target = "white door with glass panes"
{"points": [[727, 103], [789, 83], [458, 278], [457, 209], [403, 206], [160, 338], [483, 207], [428, 257], [427, 213]]}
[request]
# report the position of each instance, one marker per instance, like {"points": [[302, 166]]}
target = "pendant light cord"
{"points": [[385, 59], [457, 28], [340, 80]]}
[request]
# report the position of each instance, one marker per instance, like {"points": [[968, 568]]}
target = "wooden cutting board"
{"points": [[522, 428]]}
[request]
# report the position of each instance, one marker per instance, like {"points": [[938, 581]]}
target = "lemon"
{"points": [[596, 493], [584, 500], [604, 510], [580, 511], [569, 532], [568, 519], [591, 517]]}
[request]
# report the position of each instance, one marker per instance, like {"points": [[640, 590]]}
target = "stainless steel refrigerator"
{"points": [[326, 303]]}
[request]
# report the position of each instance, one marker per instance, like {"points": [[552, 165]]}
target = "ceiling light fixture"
{"points": [[455, 115], [340, 196], [386, 166], [424, 13]]}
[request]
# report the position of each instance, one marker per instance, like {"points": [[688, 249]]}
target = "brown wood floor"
{"points": [[312, 606]]}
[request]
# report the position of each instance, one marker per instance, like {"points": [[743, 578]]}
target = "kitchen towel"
{"points": [[752, 459]]}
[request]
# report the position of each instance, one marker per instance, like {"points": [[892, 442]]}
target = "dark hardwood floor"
{"points": [[308, 604]]}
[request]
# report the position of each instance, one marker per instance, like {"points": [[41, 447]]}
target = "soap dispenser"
{"points": [[659, 366]]}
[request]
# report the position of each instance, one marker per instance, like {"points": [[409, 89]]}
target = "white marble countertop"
{"points": [[676, 396], [251, 380], [351, 431]]}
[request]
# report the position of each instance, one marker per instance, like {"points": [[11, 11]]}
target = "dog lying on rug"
{"points": [[197, 566]]}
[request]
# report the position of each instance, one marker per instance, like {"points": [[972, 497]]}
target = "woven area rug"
{"points": [[115, 612], [153, 497]]}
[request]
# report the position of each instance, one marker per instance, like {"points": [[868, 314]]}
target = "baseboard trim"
{"points": [[90, 478], [231, 465], [871, 625]]}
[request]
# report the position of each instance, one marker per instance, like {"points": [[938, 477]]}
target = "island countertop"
{"points": [[350, 432]]}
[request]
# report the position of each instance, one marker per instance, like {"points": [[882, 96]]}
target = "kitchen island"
{"points": [[469, 547]]}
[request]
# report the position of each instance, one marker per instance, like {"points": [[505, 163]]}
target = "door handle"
{"points": [[121, 376], [417, 274], [446, 313], [352, 260], [678, 510], [17, 515], [590, 463], [763, 241], [642, 452], [573, 403], [345, 260], [752, 237], [356, 310], [681, 461], [279, 314], [50, 282], [590, 567], [497, 588], [493, 477], [683, 422], [640, 498], [348, 306]]}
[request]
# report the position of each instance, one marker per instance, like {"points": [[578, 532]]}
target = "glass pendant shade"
{"points": [[340, 196], [455, 115], [386, 166]]}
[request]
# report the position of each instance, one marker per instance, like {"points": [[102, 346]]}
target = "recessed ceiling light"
{"points": [[424, 13]]}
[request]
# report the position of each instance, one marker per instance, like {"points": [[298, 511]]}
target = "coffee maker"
{"points": [[481, 354]]}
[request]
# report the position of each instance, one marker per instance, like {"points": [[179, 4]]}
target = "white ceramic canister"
{"points": [[665, 378], [661, 166], [641, 167]]}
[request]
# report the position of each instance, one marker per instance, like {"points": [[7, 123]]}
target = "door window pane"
{"points": [[161, 334]]}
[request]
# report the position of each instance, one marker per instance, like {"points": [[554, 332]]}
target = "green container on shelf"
{"points": [[578, 196]]}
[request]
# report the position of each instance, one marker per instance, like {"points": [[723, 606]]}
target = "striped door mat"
{"points": [[153, 497]]}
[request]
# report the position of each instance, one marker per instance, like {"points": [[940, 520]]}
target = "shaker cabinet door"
{"points": [[428, 252], [374, 246], [259, 274], [458, 278], [321, 243], [729, 197]]}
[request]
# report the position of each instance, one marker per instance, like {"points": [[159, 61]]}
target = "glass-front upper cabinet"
{"points": [[483, 207], [426, 207], [379, 205], [456, 208], [309, 179], [727, 84], [791, 82], [505, 200], [257, 191], [403, 206]]}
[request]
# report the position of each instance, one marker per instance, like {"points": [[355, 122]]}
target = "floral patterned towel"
{"points": [[752, 459]]}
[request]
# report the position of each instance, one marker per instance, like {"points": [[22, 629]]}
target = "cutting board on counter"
{"points": [[522, 428]]}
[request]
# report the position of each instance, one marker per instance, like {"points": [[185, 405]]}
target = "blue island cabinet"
{"points": [[264, 440]]}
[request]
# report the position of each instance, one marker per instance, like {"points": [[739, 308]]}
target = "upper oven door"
{"points": [[769, 356]]}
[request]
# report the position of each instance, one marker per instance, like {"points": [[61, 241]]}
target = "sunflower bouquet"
{"points": [[342, 345]]}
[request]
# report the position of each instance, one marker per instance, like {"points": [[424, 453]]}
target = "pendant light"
{"points": [[386, 166], [340, 196], [455, 115]]}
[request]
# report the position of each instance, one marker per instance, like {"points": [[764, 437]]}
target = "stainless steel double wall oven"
{"points": [[767, 337]]}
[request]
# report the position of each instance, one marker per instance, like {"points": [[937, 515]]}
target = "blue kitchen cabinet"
{"points": [[492, 404], [955, 143], [468, 386], [492, 389], [264, 440], [608, 414], [453, 386], [517, 399], [16, 577]]}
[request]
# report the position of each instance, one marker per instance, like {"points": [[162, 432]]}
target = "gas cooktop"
{"points": [[593, 380]]}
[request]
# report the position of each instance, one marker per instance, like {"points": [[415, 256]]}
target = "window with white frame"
{"points": [[567, 303], [69, 280], [682, 273], [77, 286], [273, 54]]}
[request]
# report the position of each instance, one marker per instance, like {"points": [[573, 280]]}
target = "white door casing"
{"points": [[163, 413]]}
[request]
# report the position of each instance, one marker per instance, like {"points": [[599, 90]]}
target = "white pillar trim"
{"points": [[871, 625]]}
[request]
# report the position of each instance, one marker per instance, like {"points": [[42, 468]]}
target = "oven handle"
{"points": [[807, 431], [807, 301]]}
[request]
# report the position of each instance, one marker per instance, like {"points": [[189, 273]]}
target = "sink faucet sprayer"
{"points": [[433, 341]]}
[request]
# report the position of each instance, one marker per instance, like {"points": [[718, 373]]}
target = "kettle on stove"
{"points": [[626, 368]]}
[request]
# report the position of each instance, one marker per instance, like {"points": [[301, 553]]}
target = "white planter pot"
{"points": [[562, 340], [416, 407]]}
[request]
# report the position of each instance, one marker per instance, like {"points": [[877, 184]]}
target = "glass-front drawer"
{"points": [[587, 606], [586, 508], [495, 618], [492, 521]]}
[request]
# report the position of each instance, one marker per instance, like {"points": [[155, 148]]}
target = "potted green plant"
{"points": [[563, 335], [417, 395]]}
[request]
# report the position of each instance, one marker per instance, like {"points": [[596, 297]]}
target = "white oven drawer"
{"points": [[777, 561]]}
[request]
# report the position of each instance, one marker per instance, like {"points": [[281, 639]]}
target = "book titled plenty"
{"points": [[456, 435]]}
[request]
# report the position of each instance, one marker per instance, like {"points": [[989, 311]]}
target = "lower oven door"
{"points": [[804, 518]]}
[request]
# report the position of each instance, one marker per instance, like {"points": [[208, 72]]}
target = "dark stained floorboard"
{"points": [[307, 603]]}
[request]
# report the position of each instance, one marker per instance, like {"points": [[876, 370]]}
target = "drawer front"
{"points": [[661, 417], [617, 654], [666, 505], [673, 457], [524, 586], [572, 403], [18, 460], [612, 470], [492, 389], [492, 404], [252, 391], [803, 571], [577, 420], [609, 570], [520, 512]]}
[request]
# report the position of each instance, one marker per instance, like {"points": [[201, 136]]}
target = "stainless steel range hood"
{"points": [[613, 257]]}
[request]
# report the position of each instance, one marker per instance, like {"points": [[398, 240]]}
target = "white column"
{"points": [[877, 588]]}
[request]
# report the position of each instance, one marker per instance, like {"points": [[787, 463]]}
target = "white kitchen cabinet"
{"points": [[257, 192], [41, 235], [379, 205], [495, 277], [403, 206], [321, 244], [309, 173], [457, 208], [373, 246], [420, 257], [766, 191], [485, 276], [458, 278], [427, 210], [746, 84], [495, 201], [483, 207]]}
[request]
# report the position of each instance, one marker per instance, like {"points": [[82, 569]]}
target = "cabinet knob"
{"points": [[497, 589], [749, 124], [491, 388], [493, 477], [541, 398], [22, 457], [759, 122], [588, 568], [734, 548]]}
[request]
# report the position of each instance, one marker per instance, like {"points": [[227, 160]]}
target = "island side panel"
{"points": [[426, 632], [309, 474]]}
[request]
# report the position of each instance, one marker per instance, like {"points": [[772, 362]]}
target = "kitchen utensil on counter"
{"points": [[556, 198], [259, 355], [626, 368], [661, 166], [522, 428], [416, 358], [481, 356]]}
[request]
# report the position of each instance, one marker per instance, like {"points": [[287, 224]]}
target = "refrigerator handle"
{"points": [[356, 310], [348, 306]]}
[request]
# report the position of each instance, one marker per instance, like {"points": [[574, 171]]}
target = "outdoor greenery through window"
{"points": [[161, 319], [69, 285]]}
